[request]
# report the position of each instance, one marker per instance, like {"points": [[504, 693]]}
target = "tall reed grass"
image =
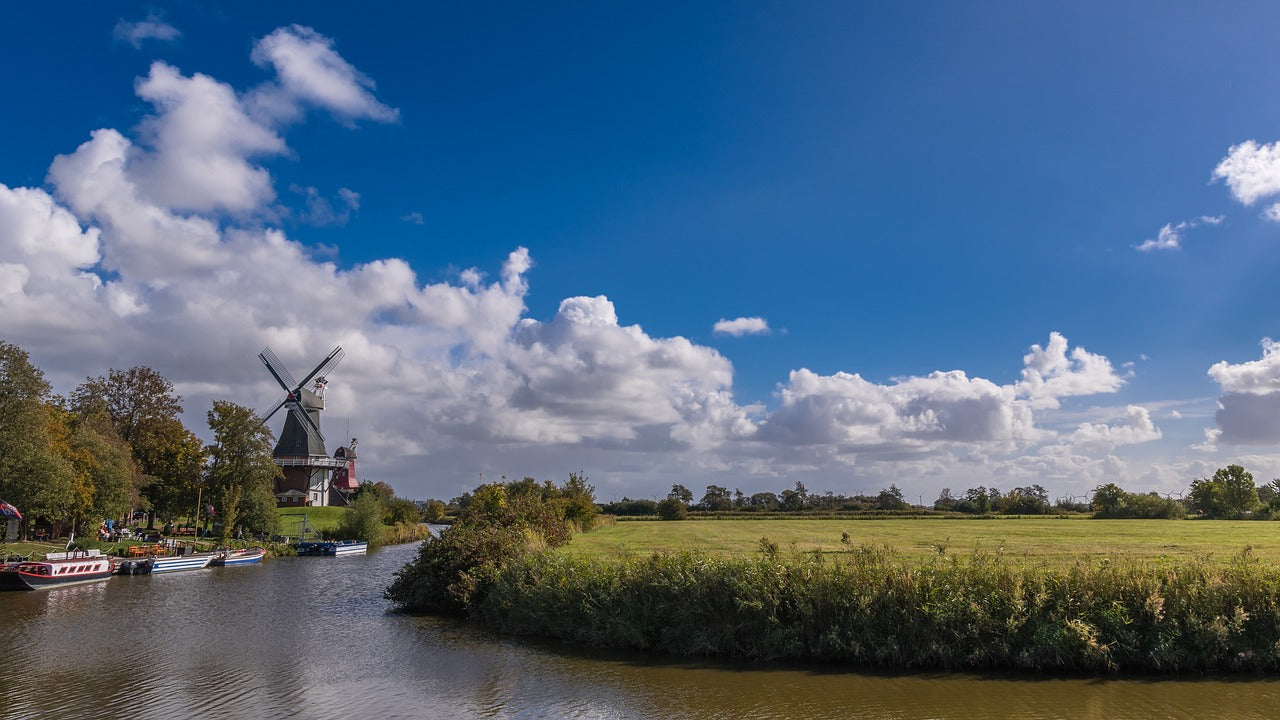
{"points": [[869, 608]]}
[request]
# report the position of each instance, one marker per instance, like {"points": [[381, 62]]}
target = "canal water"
{"points": [[313, 638]]}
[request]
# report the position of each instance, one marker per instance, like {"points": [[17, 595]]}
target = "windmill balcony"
{"points": [[311, 461]]}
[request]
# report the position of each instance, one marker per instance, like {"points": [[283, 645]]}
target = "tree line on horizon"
{"points": [[1229, 494]]}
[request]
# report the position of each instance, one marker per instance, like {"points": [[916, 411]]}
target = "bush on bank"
{"points": [[500, 523], [869, 609]]}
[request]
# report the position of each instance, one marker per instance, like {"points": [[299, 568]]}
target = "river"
{"points": [[313, 638]]}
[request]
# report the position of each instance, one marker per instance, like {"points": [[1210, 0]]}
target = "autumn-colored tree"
{"points": [[144, 412]]}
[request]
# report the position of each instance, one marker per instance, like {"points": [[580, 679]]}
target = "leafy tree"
{"points": [[363, 520], [1269, 494], [381, 489], [890, 499], [672, 509], [579, 502], [433, 511], [1030, 500], [241, 472], [945, 501], [1230, 493], [35, 471], [144, 411], [681, 493], [979, 500], [108, 461], [1107, 499], [795, 500], [764, 500], [1110, 501], [400, 510], [717, 498]]}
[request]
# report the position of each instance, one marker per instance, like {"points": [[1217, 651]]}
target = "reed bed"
{"points": [[869, 607]]}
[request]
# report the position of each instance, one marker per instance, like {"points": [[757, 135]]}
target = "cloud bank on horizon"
{"points": [[162, 247]]}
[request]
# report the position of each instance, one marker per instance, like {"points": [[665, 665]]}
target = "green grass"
{"points": [[317, 518], [1052, 542]]}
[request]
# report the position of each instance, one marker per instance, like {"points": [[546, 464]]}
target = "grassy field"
{"points": [[317, 518], [1036, 541]]}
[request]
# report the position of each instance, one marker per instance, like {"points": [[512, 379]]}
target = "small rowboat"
{"points": [[227, 558], [57, 570]]}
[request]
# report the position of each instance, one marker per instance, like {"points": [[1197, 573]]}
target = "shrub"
{"points": [[499, 523], [672, 509]]}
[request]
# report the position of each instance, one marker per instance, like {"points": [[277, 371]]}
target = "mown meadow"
{"points": [[1046, 541]]}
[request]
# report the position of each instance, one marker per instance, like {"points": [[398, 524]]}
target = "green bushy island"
{"points": [[865, 607]]}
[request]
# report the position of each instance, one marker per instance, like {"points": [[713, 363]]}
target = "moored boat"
{"points": [[228, 558], [154, 565], [197, 561], [333, 548], [56, 570]]}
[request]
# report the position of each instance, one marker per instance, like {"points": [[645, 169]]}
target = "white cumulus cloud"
{"points": [[1135, 427], [310, 72], [1051, 374], [741, 326], [1252, 171]]}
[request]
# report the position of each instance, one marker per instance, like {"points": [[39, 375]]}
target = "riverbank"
{"points": [[1040, 595], [872, 609]]}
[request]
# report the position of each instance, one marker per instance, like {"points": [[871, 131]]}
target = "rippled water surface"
{"points": [[313, 638]]}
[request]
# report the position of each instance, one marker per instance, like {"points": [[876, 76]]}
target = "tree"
{"points": [[144, 411], [1107, 500], [764, 500], [579, 501], [945, 501], [1230, 493], [400, 510], [433, 511], [681, 493], [672, 509], [241, 472], [890, 499], [1030, 500], [978, 500], [717, 498], [795, 500], [36, 473], [108, 461], [363, 520]]}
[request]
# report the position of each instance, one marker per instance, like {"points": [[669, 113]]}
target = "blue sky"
{"points": [[524, 223]]}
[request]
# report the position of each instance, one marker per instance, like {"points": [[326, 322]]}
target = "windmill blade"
{"points": [[275, 409], [277, 370], [325, 366], [329, 364], [308, 424], [278, 365]]}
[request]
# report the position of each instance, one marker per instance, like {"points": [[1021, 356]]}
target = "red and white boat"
{"points": [[56, 570]]}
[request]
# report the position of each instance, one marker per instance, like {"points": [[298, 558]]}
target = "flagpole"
{"points": [[196, 524]]}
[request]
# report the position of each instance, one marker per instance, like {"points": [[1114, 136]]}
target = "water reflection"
{"points": [[312, 638]]}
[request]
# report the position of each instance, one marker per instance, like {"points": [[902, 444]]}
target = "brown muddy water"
{"points": [[313, 638]]}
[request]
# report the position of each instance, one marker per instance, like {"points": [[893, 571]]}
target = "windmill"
{"points": [[300, 450]]}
